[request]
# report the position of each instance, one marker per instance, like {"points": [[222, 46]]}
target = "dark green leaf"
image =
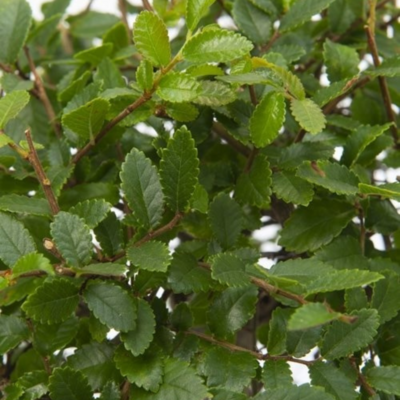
{"points": [[385, 379], [32, 262], [275, 374], [295, 393], [292, 189], [67, 384], [22, 204], [13, 330], [95, 55], [151, 256], [91, 211], [230, 270]]}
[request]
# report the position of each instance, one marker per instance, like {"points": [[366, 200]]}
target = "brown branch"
{"points": [[43, 95], [124, 13], [363, 382], [253, 95], [273, 39], [235, 144], [147, 6], [41, 175]]}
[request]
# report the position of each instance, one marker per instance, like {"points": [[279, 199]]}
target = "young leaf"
{"points": [[214, 93], [72, 238], [91, 211], [195, 10], [15, 241], [308, 115], [275, 374], [12, 104], [52, 302], [112, 305], [15, 21], [226, 220], [267, 119], [13, 330], [216, 46], [151, 38], [343, 339], [230, 270], [292, 189], [67, 384], [150, 256], [178, 87], [385, 379], [145, 75], [142, 188]]}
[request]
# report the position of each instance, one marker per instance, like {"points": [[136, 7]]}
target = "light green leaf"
{"points": [[52, 302], [145, 75], [32, 262], [195, 10], [225, 219], [311, 315], [267, 119], [332, 176], [230, 270], [182, 112], [144, 371], [151, 256], [308, 115], [15, 241], [390, 67], [15, 21], [343, 339], [86, 121], [292, 189], [5, 140], [231, 310], [254, 187], [139, 339], [302, 11], [13, 330], [91, 211], [290, 81], [104, 269], [198, 71], [67, 384], [95, 55], [230, 369], [142, 188], [11, 104], [275, 374], [388, 190], [178, 87], [151, 38], [179, 169], [214, 93], [216, 46], [385, 379], [72, 238], [312, 227], [112, 305], [24, 205], [333, 380]]}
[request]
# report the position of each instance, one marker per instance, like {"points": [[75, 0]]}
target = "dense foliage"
{"points": [[119, 143]]}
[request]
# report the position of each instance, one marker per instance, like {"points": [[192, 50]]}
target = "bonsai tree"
{"points": [[138, 161]]}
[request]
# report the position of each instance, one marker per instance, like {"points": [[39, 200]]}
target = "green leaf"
{"points": [[267, 119], [233, 370], [292, 189], [151, 38], [277, 334], [151, 256], [104, 269], [5, 140], [333, 380], [145, 371], [229, 270], [86, 121], [311, 315], [142, 188], [109, 234], [15, 241], [139, 339], [301, 12], [110, 392], [226, 220], [275, 374], [253, 187], [231, 310], [22, 204], [216, 46], [332, 176], [95, 361], [91, 211], [195, 10], [52, 302], [341, 61], [214, 93], [95, 55], [252, 21], [359, 140], [343, 339], [13, 330], [186, 276], [180, 382], [32, 262], [385, 379], [182, 112], [302, 392], [15, 21], [145, 75], [312, 227], [327, 93], [72, 238], [178, 87], [308, 115], [12, 104], [179, 169], [112, 305], [390, 67], [109, 75], [67, 384], [388, 190]]}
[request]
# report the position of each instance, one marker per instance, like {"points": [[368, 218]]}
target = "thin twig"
{"points": [[273, 39], [124, 13], [361, 378], [147, 6], [235, 144], [41, 175], [362, 227], [43, 95]]}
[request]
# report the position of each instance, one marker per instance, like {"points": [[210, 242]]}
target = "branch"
{"points": [[273, 39], [361, 379], [222, 133], [41, 175], [147, 6], [43, 95], [124, 13]]}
